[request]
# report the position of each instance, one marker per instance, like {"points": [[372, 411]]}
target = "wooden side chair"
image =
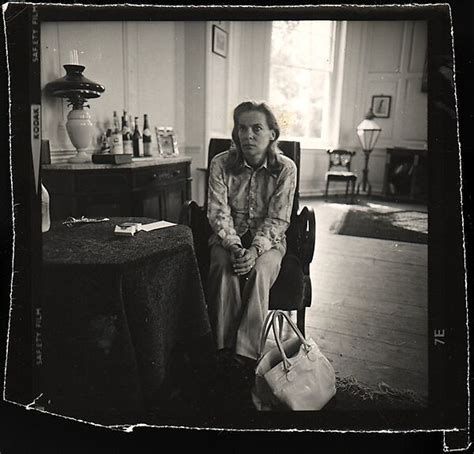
{"points": [[292, 289], [339, 169]]}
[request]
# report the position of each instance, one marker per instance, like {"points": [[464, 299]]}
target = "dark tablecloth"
{"points": [[113, 310]]}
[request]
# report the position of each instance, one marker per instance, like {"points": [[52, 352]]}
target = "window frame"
{"points": [[330, 127]]}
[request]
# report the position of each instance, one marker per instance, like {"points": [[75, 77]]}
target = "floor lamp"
{"points": [[368, 132]]}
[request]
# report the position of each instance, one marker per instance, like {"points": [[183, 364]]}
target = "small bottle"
{"points": [[104, 141], [137, 141], [147, 151], [126, 137], [116, 121], [45, 219], [108, 134], [116, 138]]}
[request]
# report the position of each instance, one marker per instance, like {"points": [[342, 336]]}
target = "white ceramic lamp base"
{"points": [[81, 157], [79, 128]]}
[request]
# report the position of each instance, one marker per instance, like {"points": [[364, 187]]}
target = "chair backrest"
{"points": [[340, 159], [289, 148]]}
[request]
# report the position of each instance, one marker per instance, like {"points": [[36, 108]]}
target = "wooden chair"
{"points": [[339, 169], [292, 289]]}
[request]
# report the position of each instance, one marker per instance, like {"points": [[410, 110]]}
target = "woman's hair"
{"points": [[235, 159]]}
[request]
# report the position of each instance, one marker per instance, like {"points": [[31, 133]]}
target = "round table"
{"points": [[113, 309]]}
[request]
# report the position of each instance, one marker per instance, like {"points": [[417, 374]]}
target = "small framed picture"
{"points": [[166, 142], [219, 41], [381, 106]]}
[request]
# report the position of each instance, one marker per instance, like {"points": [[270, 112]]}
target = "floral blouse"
{"points": [[255, 200]]}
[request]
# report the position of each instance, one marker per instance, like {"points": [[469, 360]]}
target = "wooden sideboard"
{"points": [[154, 188], [406, 175]]}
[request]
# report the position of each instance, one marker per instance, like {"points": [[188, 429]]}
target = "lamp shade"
{"points": [[368, 132], [74, 86]]}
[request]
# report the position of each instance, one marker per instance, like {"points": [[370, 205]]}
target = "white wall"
{"points": [[223, 83], [139, 63]]}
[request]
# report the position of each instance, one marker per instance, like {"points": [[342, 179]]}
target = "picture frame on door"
{"points": [[381, 105]]}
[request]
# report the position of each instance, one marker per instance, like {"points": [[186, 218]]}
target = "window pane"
{"points": [[298, 97], [306, 44], [301, 63]]}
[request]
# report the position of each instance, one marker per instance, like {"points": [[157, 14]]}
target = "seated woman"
{"points": [[250, 198]]}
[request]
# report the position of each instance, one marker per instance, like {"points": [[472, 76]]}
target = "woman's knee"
{"points": [[268, 265], [220, 260]]}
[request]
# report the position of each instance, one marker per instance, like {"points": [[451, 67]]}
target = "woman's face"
{"points": [[254, 135]]}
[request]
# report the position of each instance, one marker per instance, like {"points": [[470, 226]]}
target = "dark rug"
{"points": [[401, 225], [228, 392]]}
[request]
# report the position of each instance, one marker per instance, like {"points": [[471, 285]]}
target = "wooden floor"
{"points": [[370, 303]]}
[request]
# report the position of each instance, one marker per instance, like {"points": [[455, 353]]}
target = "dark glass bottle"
{"points": [[116, 137], [147, 151], [137, 141], [126, 136]]}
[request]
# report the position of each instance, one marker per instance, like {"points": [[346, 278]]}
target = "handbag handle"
{"points": [[295, 329], [267, 324], [286, 362], [270, 321], [306, 345]]}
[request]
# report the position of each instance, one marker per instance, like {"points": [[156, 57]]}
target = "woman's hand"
{"points": [[236, 251], [244, 264]]}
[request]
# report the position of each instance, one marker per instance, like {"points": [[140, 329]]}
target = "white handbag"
{"points": [[294, 375]]}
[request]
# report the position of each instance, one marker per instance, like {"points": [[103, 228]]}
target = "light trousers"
{"points": [[238, 309]]}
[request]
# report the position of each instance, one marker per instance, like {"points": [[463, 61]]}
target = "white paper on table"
{"points": [[156, 225]]}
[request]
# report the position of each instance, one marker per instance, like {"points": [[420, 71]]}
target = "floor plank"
{"points": [[366, 329], [400, 320], [371, 291]]}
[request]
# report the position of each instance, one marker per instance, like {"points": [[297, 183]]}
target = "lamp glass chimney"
{"points": [[368, 132]]}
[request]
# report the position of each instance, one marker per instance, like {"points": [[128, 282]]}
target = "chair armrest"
{"points": [[190, 212], [306, 236], [195, 217]]}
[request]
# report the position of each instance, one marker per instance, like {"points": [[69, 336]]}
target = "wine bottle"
{"points": [[126, 136], [116, 138], [147, 151], [137, 141]]}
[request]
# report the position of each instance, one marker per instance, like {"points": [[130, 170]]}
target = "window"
{"points": [[301, 77]]}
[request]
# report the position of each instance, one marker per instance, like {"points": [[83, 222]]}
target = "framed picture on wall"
{"points": [[381, 106], [219, 41]]}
